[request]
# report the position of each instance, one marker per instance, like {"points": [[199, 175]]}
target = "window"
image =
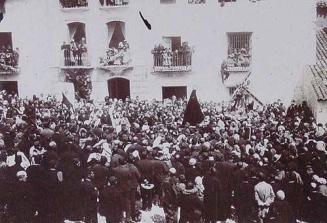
{"points": [[113, 2], [173, 43], [196, 1], [239, 50], [75, 50], [76, 31], [118, 48], [8, 55], [116, 32], [238, 41], [73, 3], [231, 90], [167, 1]]}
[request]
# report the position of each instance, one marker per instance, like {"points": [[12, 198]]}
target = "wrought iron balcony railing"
{"points": [[167, 61], [113, 3], [74, 58]]}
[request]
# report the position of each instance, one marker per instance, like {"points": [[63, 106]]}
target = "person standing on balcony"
{"points": [[73, 52], [167, 56], [83, 51], [15, 57], [66, 48], [126, 54]]}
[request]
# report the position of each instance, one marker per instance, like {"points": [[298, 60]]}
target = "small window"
{"points": [[167, 1], [116, 32], [232, 90], [8, 54], [73, 3], [238, 41], [196, 1], [239, 50]]}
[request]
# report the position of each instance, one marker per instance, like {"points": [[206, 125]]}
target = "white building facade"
{"points": [[278, 35]]}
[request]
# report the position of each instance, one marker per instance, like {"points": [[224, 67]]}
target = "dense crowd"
{"points": [[75, 53], [8, 57], [266, 164]]}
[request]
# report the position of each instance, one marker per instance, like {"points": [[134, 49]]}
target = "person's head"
{"points": [[21, 176], [113, 180], [280, 195], [189, 185]]}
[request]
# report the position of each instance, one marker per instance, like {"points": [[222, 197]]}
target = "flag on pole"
{"points": [[66, 102], [193, 113]]}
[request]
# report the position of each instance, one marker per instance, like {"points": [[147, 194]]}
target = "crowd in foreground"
{"points": [[261, 165]]}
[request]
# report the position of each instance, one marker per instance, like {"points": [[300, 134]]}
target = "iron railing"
{"points": [[172, 61]]}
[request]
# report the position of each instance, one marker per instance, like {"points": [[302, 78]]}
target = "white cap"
{"points": [[172, 170], [280, 195], [192, 162]]}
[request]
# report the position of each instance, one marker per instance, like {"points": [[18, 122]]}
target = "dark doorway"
{"points": [[119, 88], [11, 87], [5, 39], [179, 92], [176, 43]]}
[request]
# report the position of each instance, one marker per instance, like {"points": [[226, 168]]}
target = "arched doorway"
{"points": [[119, 88]]}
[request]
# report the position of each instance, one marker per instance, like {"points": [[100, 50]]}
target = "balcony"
{"points": [[73, 5], [166, 60], [117, 60], [9, 61], [75, 56], [236, 67], [112, 4]]}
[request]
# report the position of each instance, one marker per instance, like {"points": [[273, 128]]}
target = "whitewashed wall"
{"points": [[283, 43]]}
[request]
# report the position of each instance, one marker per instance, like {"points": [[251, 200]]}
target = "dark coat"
{"points": [[281, 212], [111, 205], [128, 176], [191, 207]]}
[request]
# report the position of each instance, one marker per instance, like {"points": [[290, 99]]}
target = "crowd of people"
{"points": [[73, 3], [75, 53], [8, 57], [264, 164], [117, 56], [239, 58], [113, 2]]}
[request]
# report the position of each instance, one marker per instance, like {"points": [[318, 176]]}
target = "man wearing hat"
{"points": [[147, 194], [192, 170], [169, 198]]}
